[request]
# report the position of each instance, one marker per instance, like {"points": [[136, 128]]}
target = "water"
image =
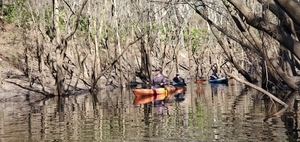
{"points": [[204, 113]]}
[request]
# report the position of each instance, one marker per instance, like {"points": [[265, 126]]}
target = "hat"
{"points": [[177, 73], [158, 69]]}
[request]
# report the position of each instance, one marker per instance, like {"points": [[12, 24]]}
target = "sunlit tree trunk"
{"points": [[189, 48], [118, 43], [59, 52], [96, 70]]}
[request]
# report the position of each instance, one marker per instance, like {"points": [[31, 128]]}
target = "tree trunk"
{"points": [[41, 61], [145, 62], [1, 9], [0, 73], [232, 59], [62, 44], [273, 30], [291, 7], [118, 46], [59, 78], [190, 49]]}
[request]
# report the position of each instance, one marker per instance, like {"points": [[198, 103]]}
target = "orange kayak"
{"points": [[150, 92], [148, 95], [157, 91]]}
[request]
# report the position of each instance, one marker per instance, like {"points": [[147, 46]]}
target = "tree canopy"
{"points": [[84, 44]]}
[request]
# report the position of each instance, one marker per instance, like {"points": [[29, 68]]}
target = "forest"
{"points": [[72, 45]]}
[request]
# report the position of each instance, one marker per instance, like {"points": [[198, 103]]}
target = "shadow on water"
{"points": [[201, 113]]}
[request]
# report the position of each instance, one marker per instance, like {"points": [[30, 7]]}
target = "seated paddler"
{"points": [[214, 75], [159, 80], [178, 80]]}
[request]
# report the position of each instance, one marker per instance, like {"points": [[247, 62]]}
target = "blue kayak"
{"points": [[219, 80]]}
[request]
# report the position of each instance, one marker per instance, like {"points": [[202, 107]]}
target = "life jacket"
{"points": [[157, 80]]}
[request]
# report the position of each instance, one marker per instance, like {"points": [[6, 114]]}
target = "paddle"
{"points": [[135, 84]]}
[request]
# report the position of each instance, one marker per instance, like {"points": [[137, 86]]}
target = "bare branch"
{"points": [[68, 36], [115, 61], [69, 7], [259, 89]]}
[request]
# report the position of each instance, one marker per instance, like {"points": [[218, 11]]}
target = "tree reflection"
{"points": [[289, 115], [147, 112], [180, 97], [110, 116], [60, 108]]}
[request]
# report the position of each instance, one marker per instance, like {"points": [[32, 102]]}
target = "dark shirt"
{"points": [[214, 76], [179, 80]]}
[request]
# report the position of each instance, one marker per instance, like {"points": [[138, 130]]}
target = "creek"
{"points": [[204, 112]]}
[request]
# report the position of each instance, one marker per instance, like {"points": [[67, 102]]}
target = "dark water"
{"points": [[203, 113]]}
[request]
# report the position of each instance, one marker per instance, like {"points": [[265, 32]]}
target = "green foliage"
{"points": [[10, 13], [17, 12], [196, 35], [84, 23], [48, 17], [61, 21], [25, 18]]}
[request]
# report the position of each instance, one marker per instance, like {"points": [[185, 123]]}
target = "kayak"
{"points": [[219, 80], [143, 96], [159, 93]]}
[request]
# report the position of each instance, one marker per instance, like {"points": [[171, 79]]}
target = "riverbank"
{"points": [[14, 84]]}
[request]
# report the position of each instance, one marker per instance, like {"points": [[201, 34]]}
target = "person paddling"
{"points": [[159, 80], [214, 75], [178, 80]]}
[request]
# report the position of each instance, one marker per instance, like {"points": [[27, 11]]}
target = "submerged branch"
{"points": [[44, 93], [259, 89]]}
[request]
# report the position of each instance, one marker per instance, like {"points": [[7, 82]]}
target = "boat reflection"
{"points": [[200, 82], [216, 86], [160, 104], [143, 99], [200, 91], [179, 97]]}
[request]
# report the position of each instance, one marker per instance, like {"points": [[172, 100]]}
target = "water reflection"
{"points": [[160, 105], [217, 86], [228, 113], [179, 97]]}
